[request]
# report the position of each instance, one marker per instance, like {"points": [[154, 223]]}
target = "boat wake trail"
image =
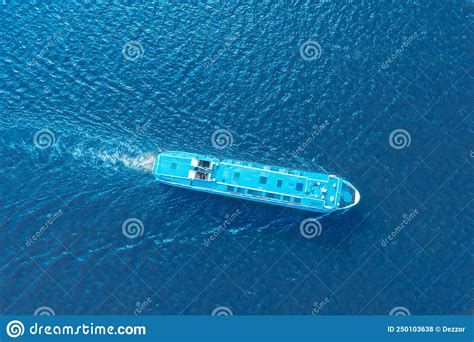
{"points": [[114, 156], [143, 162]]}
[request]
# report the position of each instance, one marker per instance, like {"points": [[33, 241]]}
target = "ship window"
{"points": [[286, 198], [279, 183], [270, 195], [236, 175], [201, 175], [299, 186], [230, 188], [255, 193], [204, 164], [241, 190], [173, 166], [297, 200], [263, 180]]}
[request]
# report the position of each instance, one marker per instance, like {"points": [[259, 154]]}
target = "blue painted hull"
{"points": [[317, 192]]}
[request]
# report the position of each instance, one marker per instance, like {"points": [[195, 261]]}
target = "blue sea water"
{"points": [[109, 83]]}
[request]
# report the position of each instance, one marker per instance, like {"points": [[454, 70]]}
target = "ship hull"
{"points": [[246, 198], [303, 190]]}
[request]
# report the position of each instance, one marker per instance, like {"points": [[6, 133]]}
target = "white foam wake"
{"points": [[143, 162]]}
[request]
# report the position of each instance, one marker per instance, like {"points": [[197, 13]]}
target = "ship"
{"points": [[306, 190]]}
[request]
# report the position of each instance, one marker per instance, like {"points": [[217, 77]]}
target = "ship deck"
{"points": [[264, 183]]}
